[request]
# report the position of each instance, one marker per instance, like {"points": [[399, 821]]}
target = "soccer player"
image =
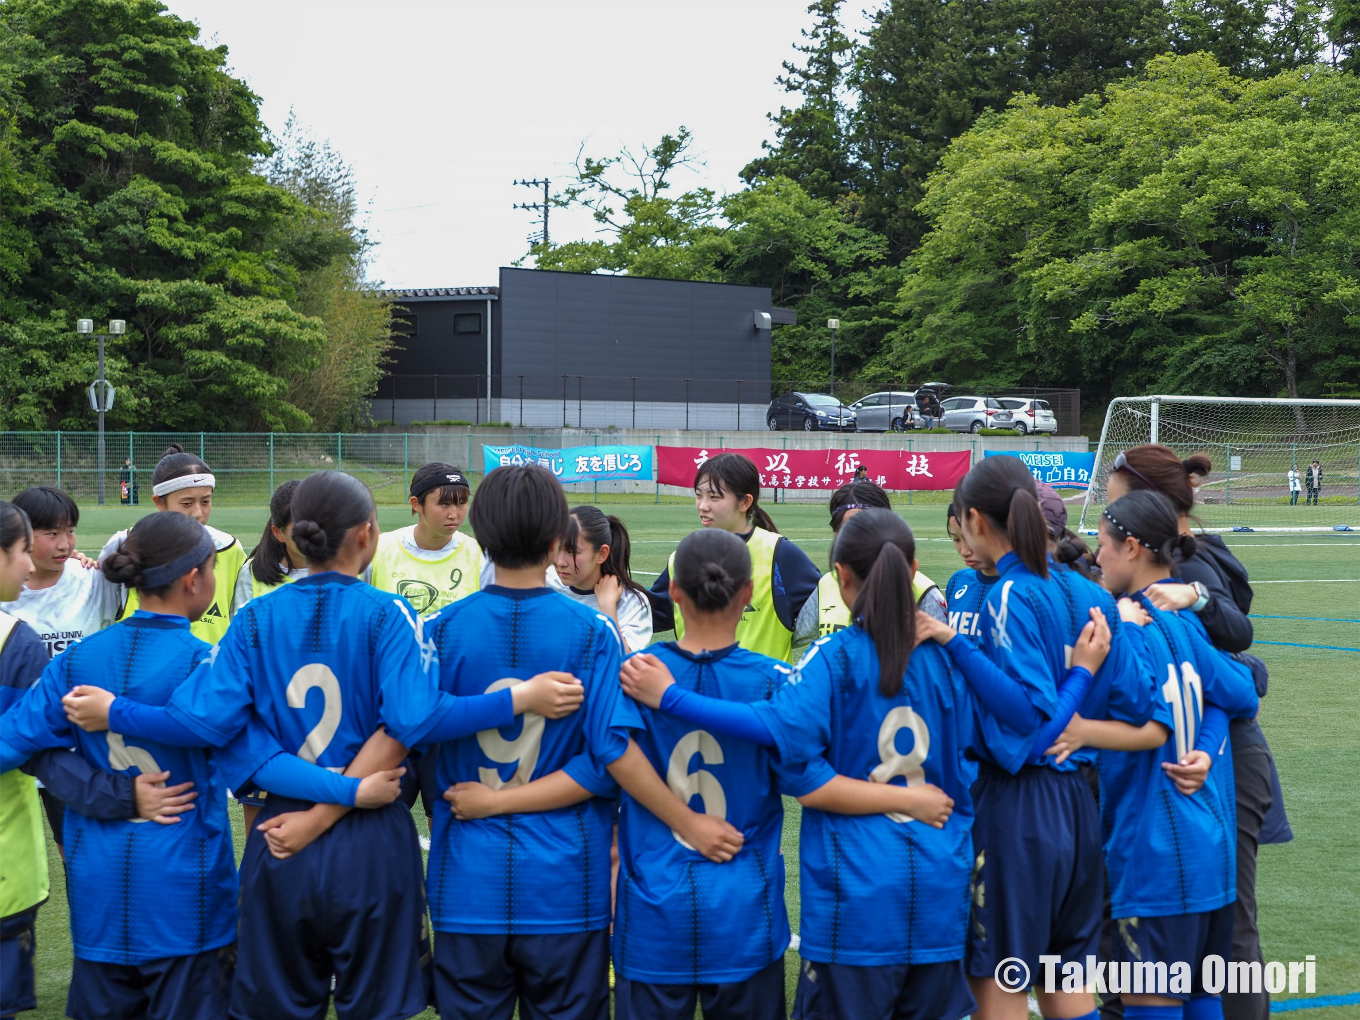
{"points": [[1168, 809], [152, 907], [276, 560], [182, 483], [429, 563], [594, 567], [967, 589], [884, 899], [365, 654], [825, 613], [727, 497], [1037, 882], [519, 879]]}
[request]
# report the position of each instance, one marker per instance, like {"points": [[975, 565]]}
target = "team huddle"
{"points": [[1039, 761]]}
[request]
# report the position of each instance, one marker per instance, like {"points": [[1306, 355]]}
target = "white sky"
{"points": [[440, 105]]}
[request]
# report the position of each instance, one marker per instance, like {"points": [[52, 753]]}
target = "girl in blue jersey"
{"points": [[884, 899], [1168, 811], [153, 914], [519, 871], [967, 590], [1037, 873], [324, 663]]}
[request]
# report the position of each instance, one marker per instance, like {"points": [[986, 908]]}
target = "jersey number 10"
{"points": [[1185, 695]]}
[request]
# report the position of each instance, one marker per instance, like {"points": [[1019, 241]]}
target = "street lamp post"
{"points": [[833, 325], [101, 397]]}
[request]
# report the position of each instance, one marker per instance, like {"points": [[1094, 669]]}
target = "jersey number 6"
{"points": [[892, 764], [685, 784], [124, 756]]}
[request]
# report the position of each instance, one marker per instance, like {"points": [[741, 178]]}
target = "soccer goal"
{"points": [[1254, 445]]}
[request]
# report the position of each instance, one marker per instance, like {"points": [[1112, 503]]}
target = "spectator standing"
{"points": [[127, 483], [1313, 476], [1295, 486]]}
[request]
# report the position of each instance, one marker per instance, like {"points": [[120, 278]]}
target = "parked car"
{"points": [[887, 411], [969, 414], [809, 412], [1031, 415]]}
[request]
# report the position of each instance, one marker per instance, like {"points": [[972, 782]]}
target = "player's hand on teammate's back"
{"points": [[1133, 612], [379, 789], [471, 800], [88, 707], [1069, 741], [714, 837], [930, 629], [159, 803], [927, 803], [1190, 773], [291, 832], [645, 679], [1093, 643], [1172, 595], [552, 695]]}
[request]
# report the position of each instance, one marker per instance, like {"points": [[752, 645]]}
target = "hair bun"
{"points": [[122, 567], [173, 448], [311, 540]]}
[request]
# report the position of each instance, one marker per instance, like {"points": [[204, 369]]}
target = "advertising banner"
{"points": [[1062, 469], [577, 463], [825, 469]]}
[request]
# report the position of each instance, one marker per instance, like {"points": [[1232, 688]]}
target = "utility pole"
{"points": [[538, 206], [101, 393], [833, 325]]}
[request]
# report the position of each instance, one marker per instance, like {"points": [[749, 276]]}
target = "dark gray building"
{"points": [[548, 349]]}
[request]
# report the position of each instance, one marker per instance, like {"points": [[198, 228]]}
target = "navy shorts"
{"points": [[194, 987], [351, 905], [1038, 874], [1187, 938], [551, 977], [16, 962], [759, 997], [56, 813], [905, 991]]}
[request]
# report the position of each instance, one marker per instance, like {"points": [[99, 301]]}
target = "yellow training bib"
{"points": [[429, 585], [760, 629]]}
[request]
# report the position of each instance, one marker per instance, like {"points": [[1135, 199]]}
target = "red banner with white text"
{"points": [[824, 469]]}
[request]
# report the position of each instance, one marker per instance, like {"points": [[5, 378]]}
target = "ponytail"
{"points": [[1075, 553], [590, 524], [269, 554], [737, 474], [877, 546], [1002, 490]]}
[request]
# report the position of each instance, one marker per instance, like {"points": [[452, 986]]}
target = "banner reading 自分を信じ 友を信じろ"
{"points": [[577, 463]]}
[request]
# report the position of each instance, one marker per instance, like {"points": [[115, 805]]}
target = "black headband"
{"points": [[167, 573], [454, 477], [1107, 515]]}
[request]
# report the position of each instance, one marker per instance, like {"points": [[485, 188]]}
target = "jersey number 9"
{"points": [[523, 749]]}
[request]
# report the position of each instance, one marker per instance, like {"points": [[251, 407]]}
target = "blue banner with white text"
{"points": [[577, 463], [1062, 469]]}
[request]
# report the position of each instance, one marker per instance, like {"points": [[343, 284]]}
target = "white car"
{"points": [[972, 414], [886, 412], [1031, 415]]}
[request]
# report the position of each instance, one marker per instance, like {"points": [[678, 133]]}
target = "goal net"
{"points": [[1253, 444]]}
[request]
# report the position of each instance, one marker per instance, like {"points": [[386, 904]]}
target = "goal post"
{"points": [[1253, 444]]}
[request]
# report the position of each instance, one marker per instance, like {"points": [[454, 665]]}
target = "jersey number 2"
{"points": [[316, 674], [892, 764], [685, 784], [522, 750]]}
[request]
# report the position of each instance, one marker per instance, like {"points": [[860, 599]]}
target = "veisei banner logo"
{"points": [[1062, 469]]}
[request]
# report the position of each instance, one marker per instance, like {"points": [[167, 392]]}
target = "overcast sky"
{"points": [[440, 105]]}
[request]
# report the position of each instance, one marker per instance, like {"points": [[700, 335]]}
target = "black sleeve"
{"points": [[795, 579], [82, 787], [1229, 628], [659, 595]]}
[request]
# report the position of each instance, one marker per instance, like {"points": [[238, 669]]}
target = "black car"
{"points": [[809, 412]]}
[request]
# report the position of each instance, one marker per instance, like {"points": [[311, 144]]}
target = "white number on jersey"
{"points": [[129, 756], [317, 674], [1185, 695], [523, 749], [893, 764], [685, 784]]}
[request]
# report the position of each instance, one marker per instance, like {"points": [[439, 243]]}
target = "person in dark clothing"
{"points": [[1313, 479], [127, 483], [1216, 587]]}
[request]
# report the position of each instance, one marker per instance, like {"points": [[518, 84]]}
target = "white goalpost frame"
{"points": [[1154, 418]]}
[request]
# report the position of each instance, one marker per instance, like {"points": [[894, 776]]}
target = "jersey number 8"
{"points": [[893, 764], [686, 784]]}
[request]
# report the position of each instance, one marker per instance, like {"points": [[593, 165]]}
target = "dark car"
{"points": [[809, 412]]}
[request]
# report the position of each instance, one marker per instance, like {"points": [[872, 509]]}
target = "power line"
{"points": [[537, 206]]}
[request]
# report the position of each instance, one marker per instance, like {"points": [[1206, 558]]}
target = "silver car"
{"points": [[1031, 415], [887, 411], [972, 414]]}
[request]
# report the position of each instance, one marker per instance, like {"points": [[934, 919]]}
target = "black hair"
{"points": [[1150, 517], [175, 463], [14, 526], [878, 547], [519, 512], [952, 514], [48, 507], [269, 554], [325, 507], [856, 495], [593, 526], [1161, 469], [737, 474], [1070, 549], [456, 494], [154, 541], [1002, 490], [710, 567]]}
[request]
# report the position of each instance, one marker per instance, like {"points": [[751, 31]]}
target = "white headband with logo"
{"points": [[183, 482]]}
